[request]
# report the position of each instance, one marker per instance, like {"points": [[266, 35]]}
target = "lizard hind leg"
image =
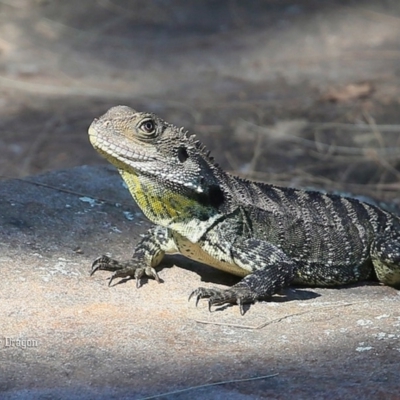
{"points": [[385, 256], [271, 269]]}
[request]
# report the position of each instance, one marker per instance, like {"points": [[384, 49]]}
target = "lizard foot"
{"points": [[123, 269], [218, 297]]}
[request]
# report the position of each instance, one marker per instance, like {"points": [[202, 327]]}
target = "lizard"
{"points": [[269, 236]]}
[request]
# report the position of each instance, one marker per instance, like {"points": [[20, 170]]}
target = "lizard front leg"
{"points": [[270, 270], [147, 256]]}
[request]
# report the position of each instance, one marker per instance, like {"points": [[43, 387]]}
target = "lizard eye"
{"points": [[148, 127]]}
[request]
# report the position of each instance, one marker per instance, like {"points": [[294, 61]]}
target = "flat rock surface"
{"points": [[66, 334]]}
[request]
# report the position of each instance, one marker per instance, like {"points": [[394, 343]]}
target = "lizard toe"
{"points": [[197, 294], [148, 271], [103, 263], [219, 297], [122, 273]]}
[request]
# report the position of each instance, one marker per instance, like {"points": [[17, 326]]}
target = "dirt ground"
{"points": [[302, 93], [299, 93]]}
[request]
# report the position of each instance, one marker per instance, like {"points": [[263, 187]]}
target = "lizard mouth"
{"points": [[119, 152]]}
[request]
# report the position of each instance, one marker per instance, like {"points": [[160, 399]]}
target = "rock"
{"points": [[65, 334]]}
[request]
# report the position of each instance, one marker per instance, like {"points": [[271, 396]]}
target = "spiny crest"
{"points": [[191, 139]]}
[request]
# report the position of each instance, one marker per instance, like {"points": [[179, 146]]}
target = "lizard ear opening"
{"points": [[182, 154], [216, 196]]}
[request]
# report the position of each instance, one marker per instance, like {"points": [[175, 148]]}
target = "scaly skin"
{"points": [[268, 235]]}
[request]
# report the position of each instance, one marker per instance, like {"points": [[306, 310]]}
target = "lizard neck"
{"points": [[166, 206]]}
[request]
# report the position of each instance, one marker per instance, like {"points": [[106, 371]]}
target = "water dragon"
{"points": [[269, 236]]}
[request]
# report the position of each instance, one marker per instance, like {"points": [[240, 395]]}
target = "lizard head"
{"points": [[143, 145]]}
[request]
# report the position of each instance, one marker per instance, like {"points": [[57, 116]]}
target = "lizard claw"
{"points": [[218, 297], [199, 294], [112, 277], [99, 263], [149, 271], [94, 268], [123, 270], [105, 263], [196, 293], [240, 304]]}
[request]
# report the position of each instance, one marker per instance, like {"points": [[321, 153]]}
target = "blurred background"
{"points": [[301, 93]]}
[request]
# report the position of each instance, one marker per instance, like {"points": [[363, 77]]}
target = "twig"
{"points": [[256, 153], [209, 385], [353, 127], [264, 324], [352, 150]]}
